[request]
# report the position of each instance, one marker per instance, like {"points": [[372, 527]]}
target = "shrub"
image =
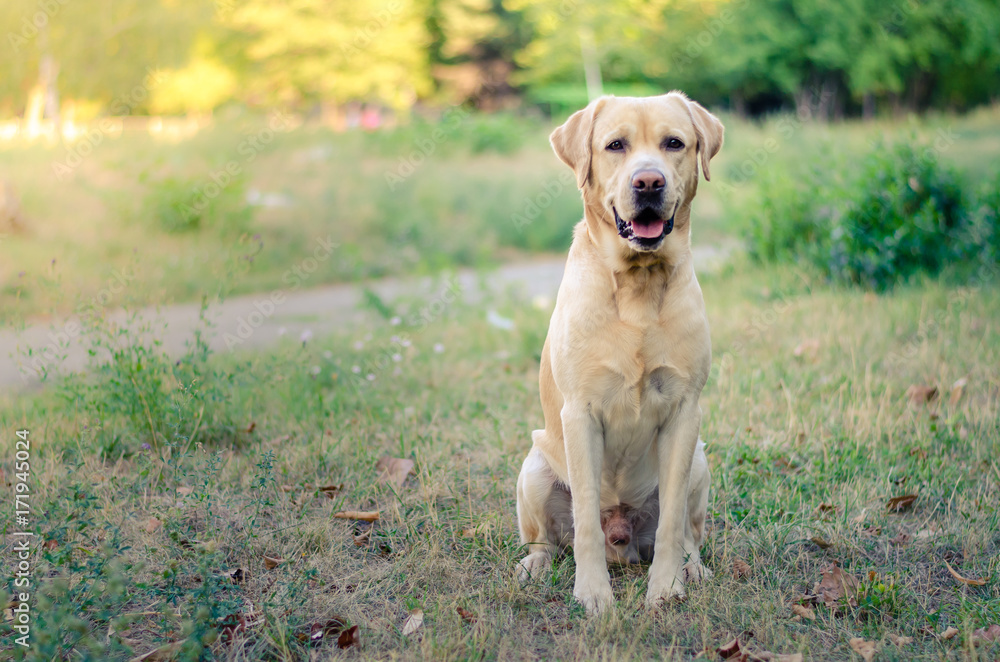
{"points": [[906, 214], [179, 205], [901, 213]]}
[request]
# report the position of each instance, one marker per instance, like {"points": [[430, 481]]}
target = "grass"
{"points": [[116, 215], [809, 433]]}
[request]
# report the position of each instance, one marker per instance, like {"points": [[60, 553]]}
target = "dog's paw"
{"points": [[596, 596], [533, 566], [661, 594], [695, 572]]}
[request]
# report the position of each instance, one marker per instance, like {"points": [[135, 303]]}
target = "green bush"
{"points": [[179, 205], [901, 212], [906, 214]]}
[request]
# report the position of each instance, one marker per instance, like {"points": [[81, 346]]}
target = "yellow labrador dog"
{"points": [[619, 471]]}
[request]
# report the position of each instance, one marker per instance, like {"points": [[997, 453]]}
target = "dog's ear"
{"points": [[572, 141], [709, 130]]}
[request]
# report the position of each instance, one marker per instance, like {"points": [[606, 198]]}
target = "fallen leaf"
{"points": [[983, 635], [920, 395], [949, 633], [394, 470], [902, 538], [349, 637], [272, 562], [836, 585], [152, 524], [826, 508], [898, 503], [821, 542], [865, 649], [251, 427], [231, 626], [466, 615], [741, 569], [731, 649], [161, 654], [238, 575], [413, 622], [957, 389], [331, 491], [900, 640], [319, 631], [363, 515], [965, 580], [50, 544], [872, 531], [804, 612]]}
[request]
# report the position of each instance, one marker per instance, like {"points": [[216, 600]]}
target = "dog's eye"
{"points": [[615, 146], [673, 144]]}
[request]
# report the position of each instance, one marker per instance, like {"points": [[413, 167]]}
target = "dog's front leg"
{"points": [[584, 442], [674, 546]]}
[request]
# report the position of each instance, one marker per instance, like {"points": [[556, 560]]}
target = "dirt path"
{"points": [[260, 320]]}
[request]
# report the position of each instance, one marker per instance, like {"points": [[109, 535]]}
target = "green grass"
{"points": [[240, 444], [116, 215]]}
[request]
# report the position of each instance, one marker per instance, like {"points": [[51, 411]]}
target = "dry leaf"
{"points": [[992, 633], [50, 544], [152, 524], [836, 585], [898, 503], [957, 389], [413, 622], [865, 649], [826, 508], [872, 531], [804, 612], [363, 538], [821, 542], [921, 395], [349, 637], [741, 569], [394, 470], [467, 616], [731, 650], [900, 640], [238, 575], [949, 633], [363, 515], [331, 491], [902, 539], [251, 427], [232, 625], [965, 580], [272, 562]]}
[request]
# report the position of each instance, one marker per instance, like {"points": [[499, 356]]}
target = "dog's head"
{"points": [[636, 161]]}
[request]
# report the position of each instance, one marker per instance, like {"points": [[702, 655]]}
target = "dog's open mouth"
{"points": [[647, 228]]}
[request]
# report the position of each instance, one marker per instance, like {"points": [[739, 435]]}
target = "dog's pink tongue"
{"points": [[648, 230]]}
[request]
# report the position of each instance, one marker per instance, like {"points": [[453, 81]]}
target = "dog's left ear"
{"points": [[709, 131], [572, 141]]}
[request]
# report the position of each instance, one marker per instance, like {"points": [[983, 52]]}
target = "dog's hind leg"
{"points": [[540, 502]]}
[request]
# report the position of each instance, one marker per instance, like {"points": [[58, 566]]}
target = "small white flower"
{"points": [[405, 342], [314, 370], [358, 345], [394, 339], [370, 377], [356, 369], [397, 357], [438, 348], [327, 354], [395, 321], [306, 336]]}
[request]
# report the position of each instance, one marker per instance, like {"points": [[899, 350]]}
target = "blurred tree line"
{"points": [[828, 59]]}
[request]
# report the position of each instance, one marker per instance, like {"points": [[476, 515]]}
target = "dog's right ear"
{"points": [[572, 141]]}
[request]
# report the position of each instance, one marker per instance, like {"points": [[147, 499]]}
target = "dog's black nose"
{"points": [[648, 181], [620, 539]]}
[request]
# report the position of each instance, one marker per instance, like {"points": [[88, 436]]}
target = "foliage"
{"points": [[185, 204], [898, 213]]}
